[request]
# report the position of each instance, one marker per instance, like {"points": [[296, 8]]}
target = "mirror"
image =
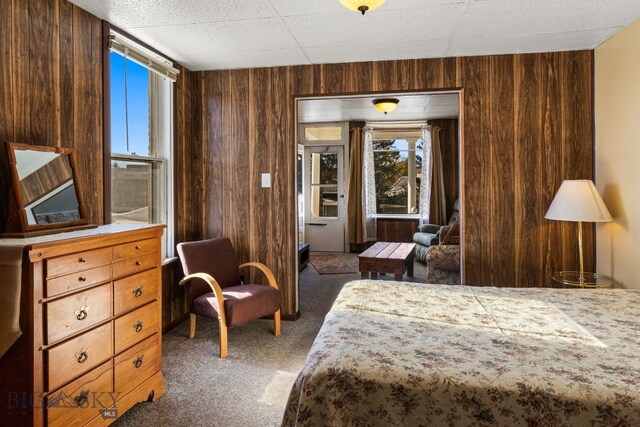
{"points": [[44, 182]]}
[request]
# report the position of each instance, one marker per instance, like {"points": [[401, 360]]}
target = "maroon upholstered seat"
{"points": [[213, 281], [242, 304]]}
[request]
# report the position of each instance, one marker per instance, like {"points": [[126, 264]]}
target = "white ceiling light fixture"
{"points": [[361, 5]]}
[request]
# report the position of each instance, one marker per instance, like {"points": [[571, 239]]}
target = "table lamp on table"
{"points": [[579, 201]]}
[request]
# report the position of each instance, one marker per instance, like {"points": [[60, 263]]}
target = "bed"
{"points": [[406, 354]]}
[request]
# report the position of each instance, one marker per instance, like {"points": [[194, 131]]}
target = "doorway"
{"points": [[324, 203], [327, 120]]}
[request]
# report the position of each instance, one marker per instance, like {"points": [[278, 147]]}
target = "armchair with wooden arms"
{"points": [[215, 290]]}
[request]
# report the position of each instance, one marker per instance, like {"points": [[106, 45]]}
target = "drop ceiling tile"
{"points": [[497, 18], [443, 111], [377, 52], [152, 13], [251, 59], [528, 44], [333, 7], [437, 22], [322, 116], [215, 41], [201, 32], [443, 100], [322, 104]]}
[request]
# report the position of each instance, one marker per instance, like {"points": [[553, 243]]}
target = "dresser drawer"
{"points": [[79, 261], [136, 290], [79, 355], [136, 265], [83, 399], [135, 326], [137, 364], [77, 280], [134, 249], [77, 311]]}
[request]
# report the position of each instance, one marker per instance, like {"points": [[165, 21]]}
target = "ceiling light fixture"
{"points": [[385, 105], [361, 5]]}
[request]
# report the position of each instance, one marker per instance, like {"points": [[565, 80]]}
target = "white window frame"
{"points": [[402, 137], [162, 90]]}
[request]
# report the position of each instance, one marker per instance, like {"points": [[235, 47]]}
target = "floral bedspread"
{"points": [[406, 354]]}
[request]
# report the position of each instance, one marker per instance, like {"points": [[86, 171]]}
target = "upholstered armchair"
{"points": [[443, 264], [429, 234], [215, 290]]}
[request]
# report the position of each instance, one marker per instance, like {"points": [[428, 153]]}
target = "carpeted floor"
{"points": [[251, 386]]}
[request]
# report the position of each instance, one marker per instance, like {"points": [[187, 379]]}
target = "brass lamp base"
{"points": [[584, 279]]}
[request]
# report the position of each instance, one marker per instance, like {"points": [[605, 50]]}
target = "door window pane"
{"points": [[324, 168], [324, 202]]}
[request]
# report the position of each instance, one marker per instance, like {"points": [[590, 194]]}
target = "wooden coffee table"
{"points": [[387, 257]]}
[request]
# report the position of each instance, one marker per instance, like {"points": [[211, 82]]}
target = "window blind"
{"points": [[143, 56]]}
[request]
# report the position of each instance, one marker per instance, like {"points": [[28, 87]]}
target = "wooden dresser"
{"points": [[90, 315]]}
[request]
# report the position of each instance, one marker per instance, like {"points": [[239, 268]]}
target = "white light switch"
{"points": [[266, 180]]}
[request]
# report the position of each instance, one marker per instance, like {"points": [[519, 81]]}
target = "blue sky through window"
{"points": [[138, 100], [403, 146]]}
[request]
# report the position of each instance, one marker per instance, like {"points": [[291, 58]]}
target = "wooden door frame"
{"points": [[461, 148]]}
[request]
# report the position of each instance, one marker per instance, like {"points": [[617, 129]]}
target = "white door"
{"points": [[324, 198]]}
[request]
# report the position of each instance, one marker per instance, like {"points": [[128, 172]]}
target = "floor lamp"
{"points": [[579, 201]]}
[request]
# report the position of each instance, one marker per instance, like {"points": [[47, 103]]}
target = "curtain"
{"points": [[438, 202], [355, 215], [425, 176], [369, 187]]}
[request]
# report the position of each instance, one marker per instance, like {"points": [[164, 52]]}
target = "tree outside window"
{"points": [[397, 164]]}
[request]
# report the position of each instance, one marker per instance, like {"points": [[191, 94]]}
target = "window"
{"points": [[323, 133], [141, 137], [397, 164]]}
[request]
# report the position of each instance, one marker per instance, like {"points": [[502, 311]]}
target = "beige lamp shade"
{"points": [[361, 5], [578, 200]]}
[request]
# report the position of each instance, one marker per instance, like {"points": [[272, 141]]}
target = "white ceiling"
{"points": [[356, 108], [219, 34]]}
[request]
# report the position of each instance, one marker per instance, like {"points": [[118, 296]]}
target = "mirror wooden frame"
{"points": [[37, 229]]}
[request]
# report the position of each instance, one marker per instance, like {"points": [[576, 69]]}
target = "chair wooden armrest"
{"points": [[272, 282], [266, 270], [222, 320]]}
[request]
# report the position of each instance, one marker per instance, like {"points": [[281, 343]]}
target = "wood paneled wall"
{"points": [[527, 125], [396, 230], [51, 88]]}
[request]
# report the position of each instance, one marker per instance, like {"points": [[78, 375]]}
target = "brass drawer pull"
{"points": [[137, 292], [82, 279], [138, 263], [82, 356], [81, 313], [82, 399], [138, 247], [138, 325], [138, 362], [82, 260]]}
